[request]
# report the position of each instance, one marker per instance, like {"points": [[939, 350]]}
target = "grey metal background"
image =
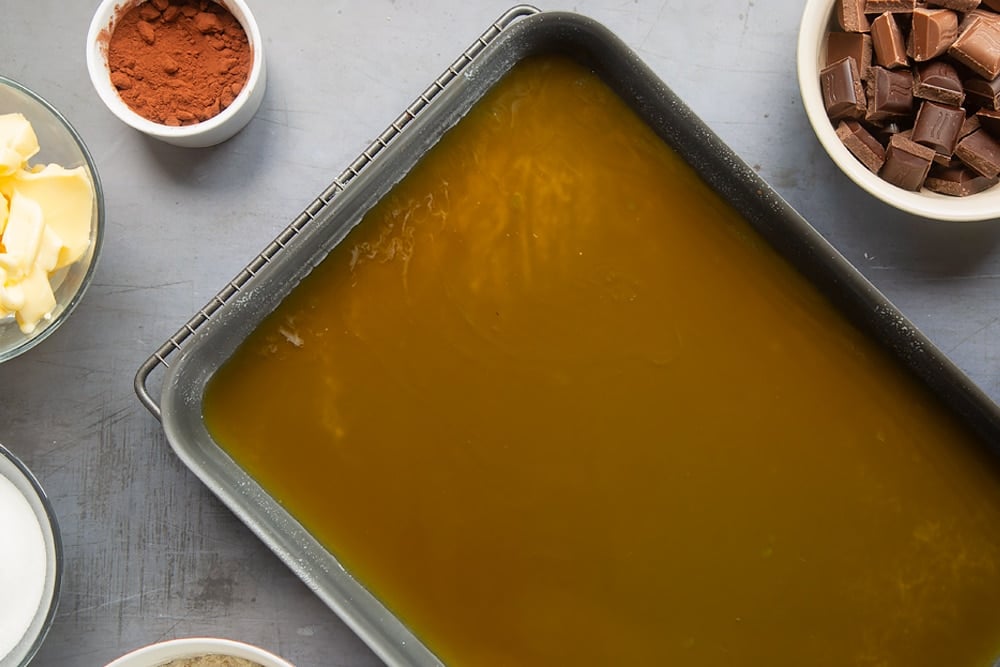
{"points": [[150, 554]]}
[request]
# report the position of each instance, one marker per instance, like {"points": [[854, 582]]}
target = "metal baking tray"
{"points": [[184, 363]]}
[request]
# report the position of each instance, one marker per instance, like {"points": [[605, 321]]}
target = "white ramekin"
{"points": [[213, 131]]}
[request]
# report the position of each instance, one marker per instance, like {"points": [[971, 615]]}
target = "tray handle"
{"points": [[176, 342], [139, 383]]}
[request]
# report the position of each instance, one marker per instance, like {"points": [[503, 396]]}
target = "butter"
{"points": [[67, 199], [38, 300], [22, 236], [45, 213], [18, 143]]}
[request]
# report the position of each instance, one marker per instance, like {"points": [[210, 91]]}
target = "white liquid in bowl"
{"points": [[22, 566]]}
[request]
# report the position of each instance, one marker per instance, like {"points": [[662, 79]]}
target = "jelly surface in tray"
{"points": [[554, 402]]}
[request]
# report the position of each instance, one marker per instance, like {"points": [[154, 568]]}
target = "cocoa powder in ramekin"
{"points": [[178, 62]]}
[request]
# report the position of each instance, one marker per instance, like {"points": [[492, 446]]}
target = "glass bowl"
{"points": [[43, 581], [59, 144]]}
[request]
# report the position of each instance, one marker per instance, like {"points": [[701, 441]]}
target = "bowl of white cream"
{"points": [[30, 562]]}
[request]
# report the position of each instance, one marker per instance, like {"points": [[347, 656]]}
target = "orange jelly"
{"points": [[555, 402]]}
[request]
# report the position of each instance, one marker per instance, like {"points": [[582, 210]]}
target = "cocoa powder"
{"points": [[178, 62]]}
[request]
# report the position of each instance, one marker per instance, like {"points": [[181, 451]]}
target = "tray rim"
{"points": [[883, 321]]}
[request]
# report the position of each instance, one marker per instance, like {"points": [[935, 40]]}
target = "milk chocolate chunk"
{"points": [[884, 132], [992, 4], [970, 125], [938, 81], [906, 163], [943, 160], [895, 6], [857, 45], [851, 15], [969, 18], [989, 120], [962, 6], [889, 94], [981, 152], [843, 95], [982, 93], [937, 126], [957, 180], [862, 144], [933, 31], [887, 40], [978, 48]]}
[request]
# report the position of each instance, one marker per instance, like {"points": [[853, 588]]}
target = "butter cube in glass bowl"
{"points": [[51, 219]]}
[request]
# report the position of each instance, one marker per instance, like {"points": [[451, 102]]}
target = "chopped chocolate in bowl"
{"points": [[920, 56], [928, 71]]}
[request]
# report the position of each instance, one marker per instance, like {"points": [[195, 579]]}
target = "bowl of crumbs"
{"points": [[200, 652], [905, 98]]}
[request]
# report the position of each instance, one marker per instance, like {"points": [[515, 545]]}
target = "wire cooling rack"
{"points": [[161, 357]]}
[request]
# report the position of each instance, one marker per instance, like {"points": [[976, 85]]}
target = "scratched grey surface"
{"points": [[150, 555]]}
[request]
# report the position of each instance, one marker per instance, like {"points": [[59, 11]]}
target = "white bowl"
{"points": [[156, 655], [213, 131], [816, 21], [46, 587]]}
